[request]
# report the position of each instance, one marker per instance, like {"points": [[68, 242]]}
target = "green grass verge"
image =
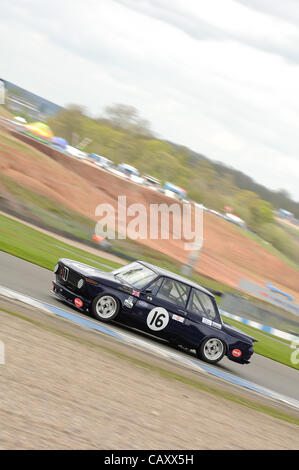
{"points": [[267, 345], [43, 250], [197, 384]]}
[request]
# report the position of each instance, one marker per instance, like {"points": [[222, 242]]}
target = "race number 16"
{"points": [[157, 318]]}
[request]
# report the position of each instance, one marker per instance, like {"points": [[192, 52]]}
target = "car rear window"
{"points": [[201, 304]]}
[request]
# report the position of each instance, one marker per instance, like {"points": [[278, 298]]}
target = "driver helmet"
{"points": [[167, 286]]}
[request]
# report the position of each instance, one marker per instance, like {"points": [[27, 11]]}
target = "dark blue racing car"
{"points": [[155, 301]]}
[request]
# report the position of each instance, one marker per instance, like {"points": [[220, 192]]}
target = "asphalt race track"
{"points": [[34, 281]]}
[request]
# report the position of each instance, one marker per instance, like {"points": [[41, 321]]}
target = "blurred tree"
{"points": [[242, 202], [254, 210], [227, 185], [68, 123], [246, 197], [123, 136], [121, 116], [261, 212], [205, 171], [125, 117]]}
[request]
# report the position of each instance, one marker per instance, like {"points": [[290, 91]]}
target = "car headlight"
{"points": [[80, 283]]}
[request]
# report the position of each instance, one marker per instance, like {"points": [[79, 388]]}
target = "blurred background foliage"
{"points": [[123, 136]]}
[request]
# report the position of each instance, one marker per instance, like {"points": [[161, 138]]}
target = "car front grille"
{"points": [[68, 277], [65, 273], [73, 278]]}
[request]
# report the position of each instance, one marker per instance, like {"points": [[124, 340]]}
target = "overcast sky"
{"points": [[219, 76]]}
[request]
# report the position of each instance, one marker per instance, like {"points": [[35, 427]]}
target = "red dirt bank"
{"points": [[227, 255]]}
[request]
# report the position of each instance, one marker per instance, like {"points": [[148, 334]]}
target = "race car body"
{"points": [[156, 301]]}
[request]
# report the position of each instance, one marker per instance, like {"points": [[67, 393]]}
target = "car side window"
{"points": [[174, 291], [201, 304]]}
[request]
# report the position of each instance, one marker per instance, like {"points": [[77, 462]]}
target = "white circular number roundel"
{"points": [[157, 318]]}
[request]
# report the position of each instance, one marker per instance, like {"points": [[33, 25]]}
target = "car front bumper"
{"points": [[69, 297]]}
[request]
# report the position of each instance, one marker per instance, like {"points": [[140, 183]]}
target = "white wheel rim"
{"points": [[106, 307], [213, 349]]}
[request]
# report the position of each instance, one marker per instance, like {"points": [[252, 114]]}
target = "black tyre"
{"points": [[173, 343], [211, 350], [105, 307]]}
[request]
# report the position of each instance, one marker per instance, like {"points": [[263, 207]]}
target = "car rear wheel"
{"points": [[211, 350], [105, 308]]}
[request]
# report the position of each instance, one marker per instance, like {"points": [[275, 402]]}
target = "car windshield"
{"points": [[135, 274]]}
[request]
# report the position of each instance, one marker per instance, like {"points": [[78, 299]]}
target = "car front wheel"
{"points": [[105, 308], [211, 350]]}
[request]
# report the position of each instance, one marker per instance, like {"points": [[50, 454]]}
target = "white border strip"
{"points": [[146, 345], [259, 326]]}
